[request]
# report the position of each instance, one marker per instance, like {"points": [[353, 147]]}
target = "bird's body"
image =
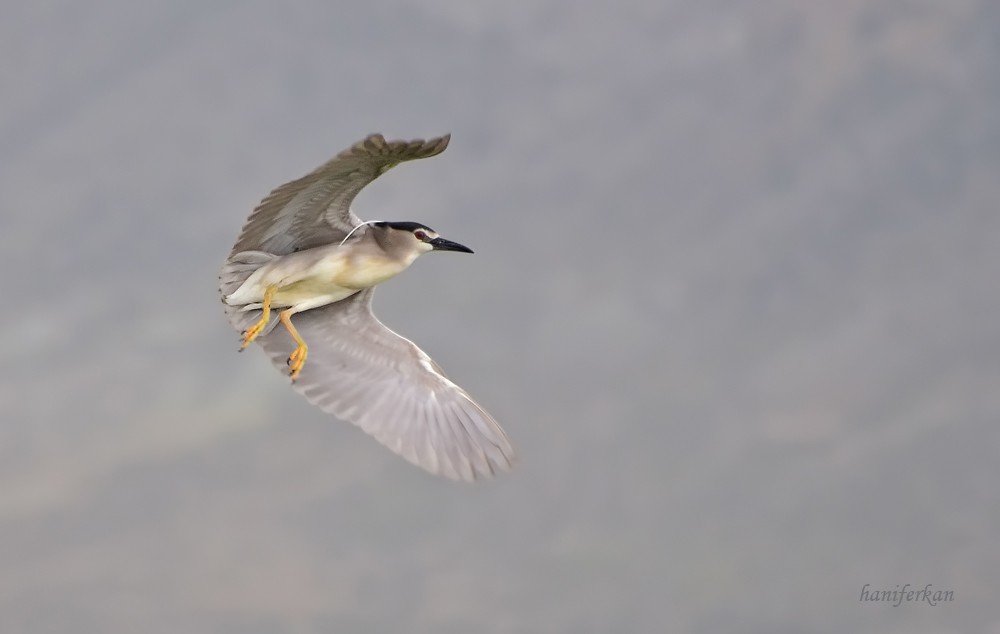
{"points": [[319, 276], [304, 251]]}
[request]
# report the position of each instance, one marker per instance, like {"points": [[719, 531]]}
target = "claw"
{"points": [[296, 361], [251, 333]]}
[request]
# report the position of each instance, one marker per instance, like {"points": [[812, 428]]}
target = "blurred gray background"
{"points": [[735, 299]]}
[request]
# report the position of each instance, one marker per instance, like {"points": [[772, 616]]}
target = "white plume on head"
{"points": [[366, 222]]}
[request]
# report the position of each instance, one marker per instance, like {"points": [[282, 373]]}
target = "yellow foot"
{"points": [[297, 360], [251, 333]]}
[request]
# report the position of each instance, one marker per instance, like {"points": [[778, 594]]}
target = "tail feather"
{"points": [[235, 271]]}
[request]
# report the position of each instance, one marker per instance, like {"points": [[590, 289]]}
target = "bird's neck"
{"points": [[371, 268]]}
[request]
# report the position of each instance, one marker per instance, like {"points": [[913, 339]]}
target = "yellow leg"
{"points": [[298, 358], [251, 333]]}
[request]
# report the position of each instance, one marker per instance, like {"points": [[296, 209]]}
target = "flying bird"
{"points": [[304, 255]]}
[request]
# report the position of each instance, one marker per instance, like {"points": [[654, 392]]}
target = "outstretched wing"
{"points": [[362, 372], [316, 209]]}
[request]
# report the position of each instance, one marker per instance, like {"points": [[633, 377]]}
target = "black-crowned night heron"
{"points": [[303, 251]]}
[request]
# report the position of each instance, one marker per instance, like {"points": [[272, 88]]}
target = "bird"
{"points": [[304, 254]]}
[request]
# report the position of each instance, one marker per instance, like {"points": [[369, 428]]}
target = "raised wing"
{"points": [[316, 209], [362, 372]]}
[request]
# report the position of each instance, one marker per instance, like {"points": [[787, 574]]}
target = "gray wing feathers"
{"points": [[361, 371], [315, 209]]}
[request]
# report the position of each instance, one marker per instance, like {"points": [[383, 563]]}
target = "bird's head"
{"points": [[413, 238]]}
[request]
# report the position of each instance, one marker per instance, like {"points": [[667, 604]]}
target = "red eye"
{"points": [[420, 235]]}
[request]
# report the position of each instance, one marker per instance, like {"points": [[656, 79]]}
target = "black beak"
{"points": [[440, 244]]}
